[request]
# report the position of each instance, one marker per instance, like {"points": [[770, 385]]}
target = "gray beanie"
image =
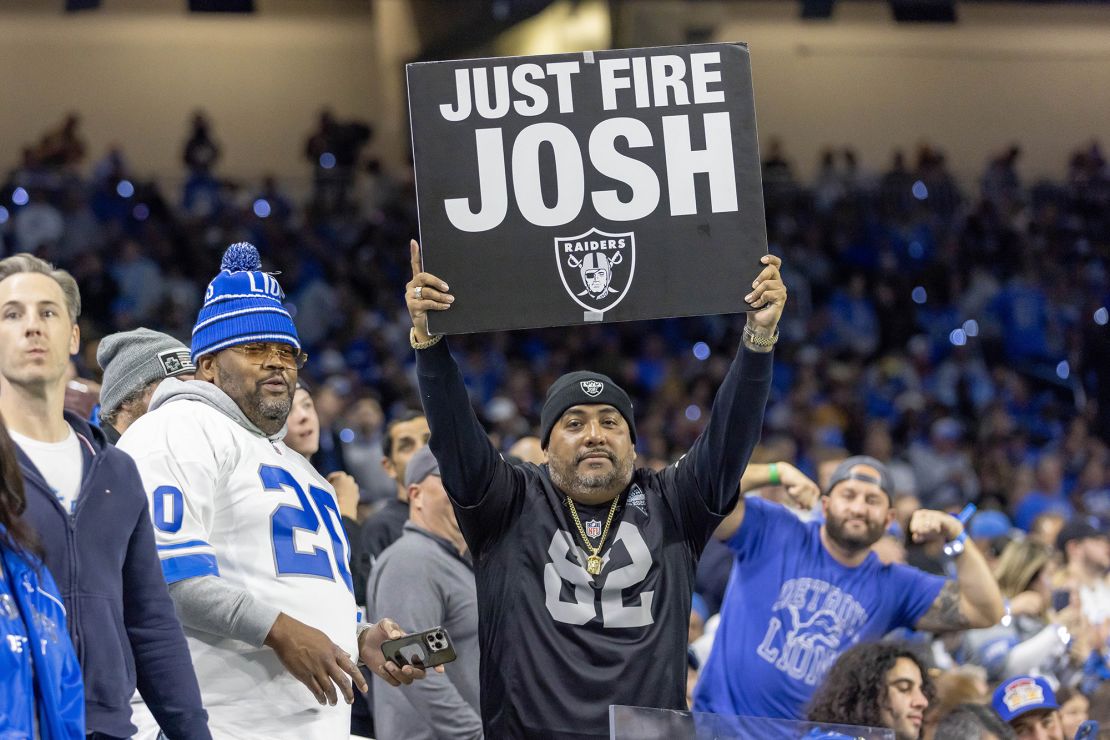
{"points": [[132, 359]]}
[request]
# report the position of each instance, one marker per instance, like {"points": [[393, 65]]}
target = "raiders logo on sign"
{"points": [[596, 269], [592, 388]]}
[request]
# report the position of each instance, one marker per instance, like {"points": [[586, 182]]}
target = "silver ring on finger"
{"points": [[417, 292]]}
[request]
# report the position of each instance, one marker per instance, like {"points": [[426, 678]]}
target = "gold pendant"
{"points": [[593, 565]]}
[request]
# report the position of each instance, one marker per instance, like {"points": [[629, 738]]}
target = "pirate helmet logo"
{"points": [[596, 268], [592, 388]]}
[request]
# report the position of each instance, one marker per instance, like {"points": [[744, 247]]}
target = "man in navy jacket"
{"points": [[86, 502]]}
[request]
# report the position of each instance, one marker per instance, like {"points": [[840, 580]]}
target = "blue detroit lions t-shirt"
{"points": [[791, 609]]}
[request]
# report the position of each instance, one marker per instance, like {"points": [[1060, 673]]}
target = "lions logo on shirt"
{"points": [[814, 622]]}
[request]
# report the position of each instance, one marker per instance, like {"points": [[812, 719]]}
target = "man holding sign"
{"points": [[585, 566]]}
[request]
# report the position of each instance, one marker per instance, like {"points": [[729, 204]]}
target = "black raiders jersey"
{"points": [[559, 645]]}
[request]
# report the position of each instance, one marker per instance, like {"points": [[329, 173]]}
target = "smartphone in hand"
{"points": [[425, 649]]}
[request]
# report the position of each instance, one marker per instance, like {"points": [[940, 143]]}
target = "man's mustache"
{"points": [[596, 452]]}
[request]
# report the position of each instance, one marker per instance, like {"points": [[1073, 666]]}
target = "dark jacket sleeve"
{"points": [[369, 540], [487, 491], [164, 670], [707, 478], [352, 529]]}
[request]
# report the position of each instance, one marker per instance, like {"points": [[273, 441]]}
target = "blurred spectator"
{"points": [[528, 449], [140, 281], [38, 225], [953, 689], [201, 191], [1001, 185], [406, 434], [1074, 710], [943, 462], [363, 451], [1046, 528], [426, 578], [1029, 638], [778, 176], [985, 528], [972, 722], [1048, 496], [303, 435], [1086, 550], [63, 147], [329, 400], [201, 152], [890, 549], [333, 149], [1100, 707]]}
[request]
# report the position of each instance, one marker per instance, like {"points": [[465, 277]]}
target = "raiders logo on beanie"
{"points": [[583, 387]]}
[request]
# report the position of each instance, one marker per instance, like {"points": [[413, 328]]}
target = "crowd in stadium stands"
{"points": [[958, 334]]}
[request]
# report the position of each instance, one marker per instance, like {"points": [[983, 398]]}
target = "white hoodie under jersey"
{"points": [[229, 501]]}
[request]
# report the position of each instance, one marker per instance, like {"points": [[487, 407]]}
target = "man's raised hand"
{"points": [[768, 296], [425, 292]]}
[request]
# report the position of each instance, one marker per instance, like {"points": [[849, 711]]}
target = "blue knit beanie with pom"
{"points": [[242, 305]]}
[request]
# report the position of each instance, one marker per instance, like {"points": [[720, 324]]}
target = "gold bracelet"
{"points": [[425, 344], [757, 342]]}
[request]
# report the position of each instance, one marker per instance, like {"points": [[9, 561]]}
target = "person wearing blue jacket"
{"points": [[87, 504], [40, 680]]}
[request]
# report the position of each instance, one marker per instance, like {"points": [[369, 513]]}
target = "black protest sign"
{"points": [[605, 186]]}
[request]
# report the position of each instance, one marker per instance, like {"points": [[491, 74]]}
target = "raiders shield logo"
{"points": [[596, 268], [592, 388], [593, 529]]}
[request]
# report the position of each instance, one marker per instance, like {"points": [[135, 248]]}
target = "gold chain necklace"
{"points": [[593, 562]]}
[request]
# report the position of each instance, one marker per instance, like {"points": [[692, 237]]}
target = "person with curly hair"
{"points": [[877, 684]]}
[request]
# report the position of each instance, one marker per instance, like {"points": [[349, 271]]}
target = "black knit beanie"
{"points": [[583, 387]]}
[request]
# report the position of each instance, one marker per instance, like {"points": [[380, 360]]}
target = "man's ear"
{"points": [[206, 368], [75, 340], [389, 468]]}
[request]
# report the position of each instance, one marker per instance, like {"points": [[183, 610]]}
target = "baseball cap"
{"points": [[986, 525], [850, 469], [1022, 694], [1079, 528], [422, 464]]}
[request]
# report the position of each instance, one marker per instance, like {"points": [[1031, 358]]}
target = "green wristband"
{"points": [[773, 474]]}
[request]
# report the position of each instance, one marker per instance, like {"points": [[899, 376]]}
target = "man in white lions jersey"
{"points": [[249, 534]]}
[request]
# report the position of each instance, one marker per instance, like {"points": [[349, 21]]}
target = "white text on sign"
{"points": [[639, 82]]}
